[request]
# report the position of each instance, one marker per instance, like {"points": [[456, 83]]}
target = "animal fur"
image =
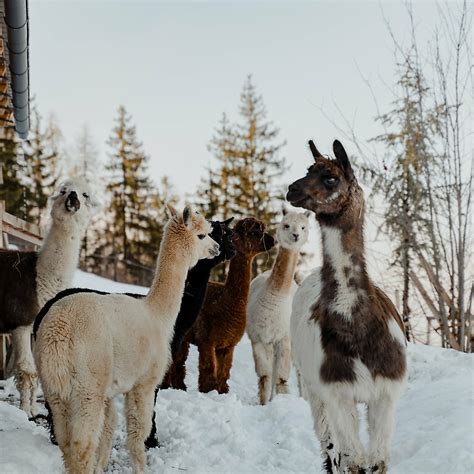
{"points": [[348, 340], [91, 347], [29, 279], [221, 322], [269, 309]]}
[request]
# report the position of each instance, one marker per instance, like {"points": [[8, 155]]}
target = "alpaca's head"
{"points": [[250, 237], [192, 231], [292, 231], [73, 204], [224, 236], [329, 186]]}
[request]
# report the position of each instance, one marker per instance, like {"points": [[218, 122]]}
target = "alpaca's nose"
{"points": [[72, 203], [215, 250], [296, 237]]}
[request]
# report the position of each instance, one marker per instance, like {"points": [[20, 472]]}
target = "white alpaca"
{"points": [[92, 347], [29, 279], [347, 338], [269, 309]]}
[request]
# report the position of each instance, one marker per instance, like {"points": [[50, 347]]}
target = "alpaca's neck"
{"points": [[57, 261], [166, 291], [199, 275], [239, 276], [344, 275], [283, 271]]}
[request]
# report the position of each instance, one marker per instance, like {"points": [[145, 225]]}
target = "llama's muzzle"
{"points": [[214, 251], [72, 202], [295, 194]]}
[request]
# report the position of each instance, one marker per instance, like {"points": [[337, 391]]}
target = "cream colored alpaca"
{"points": [[29, 279], [92, 347], [269, 309]]}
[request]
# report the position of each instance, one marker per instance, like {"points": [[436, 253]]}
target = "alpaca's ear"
{"points": [[171, 210], [342, 159], [187, 216], [308, 214], [314, 150], [228, 221]]}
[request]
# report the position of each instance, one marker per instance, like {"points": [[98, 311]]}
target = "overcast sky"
{"points": [[177, 66]]}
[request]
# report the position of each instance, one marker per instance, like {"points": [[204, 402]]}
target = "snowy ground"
{"points": [[204, 433]]}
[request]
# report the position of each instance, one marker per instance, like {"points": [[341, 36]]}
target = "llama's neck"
{"points": [[57, 261], [283, 271], [238, 279], [344, 274], [166, 291]]}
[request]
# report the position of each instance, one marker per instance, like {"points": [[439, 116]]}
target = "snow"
{"points": [[207, 433]]}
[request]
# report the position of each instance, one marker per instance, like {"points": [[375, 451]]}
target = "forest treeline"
{"points": [[420, 166]]}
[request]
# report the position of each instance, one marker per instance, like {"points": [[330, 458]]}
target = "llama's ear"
{"points": [[187, 216], [308, 214], [342, 159], [171, 210], [228, 221], [314, 150]]}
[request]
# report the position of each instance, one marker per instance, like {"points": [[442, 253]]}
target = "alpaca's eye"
{"points": [[287, 226], [201, 236], [330, 182], [63, 192], [302, 228], [85, 195]]}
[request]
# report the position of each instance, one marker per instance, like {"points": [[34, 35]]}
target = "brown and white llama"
{"points": [[269, 309], [29, 279], [91, 347], [221, 322], [347, 338]]}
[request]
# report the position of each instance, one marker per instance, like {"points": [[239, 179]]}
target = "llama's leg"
{"points": [[86, 425], [207, 369], [224, 364], [49, 420], [152, 440], [323, 432], [107, 436], [343, 419], [57, 411], [26, 376], [381, 418], [139, 408], [282, 365], [263, 357], [179, 367]]}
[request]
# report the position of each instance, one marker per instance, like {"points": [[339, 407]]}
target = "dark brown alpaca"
{"points": [[221, 323], [347, 337]]}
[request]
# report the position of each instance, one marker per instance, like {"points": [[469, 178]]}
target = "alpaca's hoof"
{"points": [[207, 387], [180, 386], [223, 388], [152, 442], [282, 388], [379, 468]]}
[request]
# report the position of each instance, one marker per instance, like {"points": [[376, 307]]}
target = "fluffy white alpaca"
{"points": [[92, 347], [269, 309], [29, 279]]}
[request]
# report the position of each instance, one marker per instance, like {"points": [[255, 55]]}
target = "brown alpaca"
{"points": [[221, 323]]}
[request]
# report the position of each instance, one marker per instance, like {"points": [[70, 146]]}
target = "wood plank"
{"points": [[22, 235], [20, 224]]}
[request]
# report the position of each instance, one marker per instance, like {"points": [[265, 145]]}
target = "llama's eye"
{"points": [[287, 226], [85, 195], [330, 182], [201, 236]]}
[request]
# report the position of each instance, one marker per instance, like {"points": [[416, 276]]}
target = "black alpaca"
{"points": [[193, 298], [194, 293]]}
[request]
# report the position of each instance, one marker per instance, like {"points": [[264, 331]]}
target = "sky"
{"points": [[178, 66]]}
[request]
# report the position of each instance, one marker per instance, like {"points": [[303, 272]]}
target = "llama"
{"points": [[92, 347], [221, 322], [269, 309], [29, 279], [347, 338]]}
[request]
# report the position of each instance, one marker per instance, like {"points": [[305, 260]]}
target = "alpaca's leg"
{"points": [[139, 408], [49, 420], [323, 432], [263, 357], [381, 417], [26, 376], [343, 420], [152, 440], [107, 436], [167, 379], [282, 365], [207, 369], [301, 387], [57, 412], [224, 364], [179, 367], [86, 425]]}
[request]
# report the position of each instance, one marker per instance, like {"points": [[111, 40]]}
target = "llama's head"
{"points": [[250, 237], [329, 186], [73, 204], [192, 230], [224, 236], [292, 232]]}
